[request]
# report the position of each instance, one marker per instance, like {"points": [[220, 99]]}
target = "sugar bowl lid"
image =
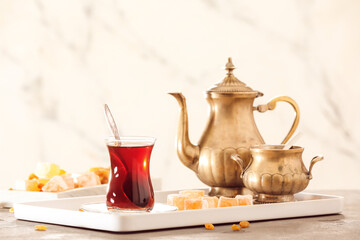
{"points": [[231, 84]]}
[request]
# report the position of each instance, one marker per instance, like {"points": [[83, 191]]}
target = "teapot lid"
{"points": [[231, 84]]}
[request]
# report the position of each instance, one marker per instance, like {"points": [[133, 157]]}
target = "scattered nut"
{"points": [[40, 228], [244, 224], [235, 227], [209, 226]]}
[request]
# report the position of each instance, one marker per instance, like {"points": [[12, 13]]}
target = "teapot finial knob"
{"points": [[229, 66]]}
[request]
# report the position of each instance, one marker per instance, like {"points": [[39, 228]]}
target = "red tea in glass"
{"points": [[130, 187]]}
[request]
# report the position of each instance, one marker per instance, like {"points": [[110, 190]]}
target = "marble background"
{"points": [[60, 61]]}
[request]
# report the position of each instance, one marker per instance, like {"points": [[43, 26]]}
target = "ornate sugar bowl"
{"points": [[231, 129], [275, 174]]}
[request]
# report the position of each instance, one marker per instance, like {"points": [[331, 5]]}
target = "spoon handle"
{"points": [[111, 122]]}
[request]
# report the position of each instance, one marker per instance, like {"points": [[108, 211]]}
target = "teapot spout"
{"points": [[313, 161], [187, 152]]}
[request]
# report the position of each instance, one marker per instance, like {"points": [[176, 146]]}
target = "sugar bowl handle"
{"points": [[239, 162], [271, 106], [313, 161]]}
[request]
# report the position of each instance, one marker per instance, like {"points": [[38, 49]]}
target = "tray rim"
{"points": [[144, 221], [7, 197]]}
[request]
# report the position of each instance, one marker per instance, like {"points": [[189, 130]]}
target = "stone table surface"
{"points": [[340, 226]]}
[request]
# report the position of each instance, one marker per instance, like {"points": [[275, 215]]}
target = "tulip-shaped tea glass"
{"points": [[130, 187]]}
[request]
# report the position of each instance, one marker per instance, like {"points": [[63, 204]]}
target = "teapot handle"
{"points": [[271, 106], [239, 162]]}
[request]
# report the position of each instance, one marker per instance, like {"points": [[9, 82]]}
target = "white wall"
{"points": [[60, 61]]}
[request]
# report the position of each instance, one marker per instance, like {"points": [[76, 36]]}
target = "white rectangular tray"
{"points": [[66, 212], [9, 197]]}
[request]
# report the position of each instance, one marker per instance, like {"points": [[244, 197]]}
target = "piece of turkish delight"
{"points": [[88, 179], [227, 202], [212, 201], [193, 193], [244, 200], [176, 200], [59, 184], [103, 173], [32, 185], [195, 203]]}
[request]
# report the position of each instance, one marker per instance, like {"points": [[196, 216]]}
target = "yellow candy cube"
{"points": [[47, 170], [43, 181], [195, 203], [32, 185], [212, 201], [227, 202]]}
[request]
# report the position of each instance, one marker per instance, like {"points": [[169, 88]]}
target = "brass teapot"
{"points": [[231, 129]]}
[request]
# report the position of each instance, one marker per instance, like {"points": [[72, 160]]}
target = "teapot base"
{"points": [[267, 198], [229, 191]]}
